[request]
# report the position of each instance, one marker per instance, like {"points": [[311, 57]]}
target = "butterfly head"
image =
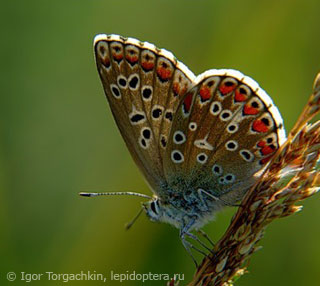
{"points": [[153, 209], [158, 211]]}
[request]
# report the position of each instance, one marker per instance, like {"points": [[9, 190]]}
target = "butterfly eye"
{"points": [[153, 207]]}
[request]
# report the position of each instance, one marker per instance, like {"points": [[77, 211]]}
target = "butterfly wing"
{"points": [[225, 130], [143, 85]]}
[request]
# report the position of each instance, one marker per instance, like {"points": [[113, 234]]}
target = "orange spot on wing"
{"points": [[176, 88], [106, 62], [117, 56], [240, 96], [183, 90], [261, 143], [205, 93], [147, 65], [249, 110], [164, 73], [259, 126], [132, 59], [224, 89], [266, 150], [265, 160], [187, 102]]}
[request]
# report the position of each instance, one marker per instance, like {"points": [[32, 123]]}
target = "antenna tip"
{"points": [[85, 194]]}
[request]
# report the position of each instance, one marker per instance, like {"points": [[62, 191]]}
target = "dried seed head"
{"points": [[220, 266]]}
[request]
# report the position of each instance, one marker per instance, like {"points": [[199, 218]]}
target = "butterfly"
{"points": [[200, 141]]}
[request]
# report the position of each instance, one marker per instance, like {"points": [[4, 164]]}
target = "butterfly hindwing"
{"points": [[225, 130]]}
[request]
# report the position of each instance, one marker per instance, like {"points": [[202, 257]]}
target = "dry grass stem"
{"points": [[268, 200]]}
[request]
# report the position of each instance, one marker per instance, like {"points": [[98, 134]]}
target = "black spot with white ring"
{"points": [[202, 158], [266, 121], [229, 178], [270, 140], [217, 170], [225, 115], [179, 137], [230, 83], [177, 156], [243, 90], [115, 91], [215, 108], [232, 128], [157, 112], [135, 119], [246, 155], [192, 126], [146, 133], [231, 145], [134, 81], [122, 81], [255, 104], [143, 143], [146, 92]]}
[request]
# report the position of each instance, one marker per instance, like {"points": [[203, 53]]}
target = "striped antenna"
{"points": [[129, 225], [83, 194]]}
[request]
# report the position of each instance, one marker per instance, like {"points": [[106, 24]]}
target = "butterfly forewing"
{"points": [[225, 130], [144, 86]]}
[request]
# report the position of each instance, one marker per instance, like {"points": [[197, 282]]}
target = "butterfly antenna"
{"points": [[84, 194], [129, 225]]}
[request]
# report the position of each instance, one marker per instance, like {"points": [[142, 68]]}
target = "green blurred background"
{"points": [[58, 136]]}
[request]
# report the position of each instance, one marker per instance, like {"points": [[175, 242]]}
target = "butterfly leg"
{"points": [[187, 245], [201, 232], [194, 237], [200, 191]]}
